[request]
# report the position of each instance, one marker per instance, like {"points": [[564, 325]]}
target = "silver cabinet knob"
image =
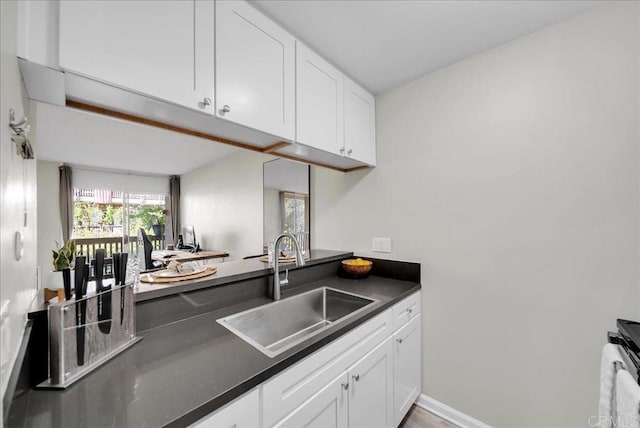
{"points": [[349, 152], [345, 385], [206, 101], [341, 150], [409, 310], [356, 377], [399, 340], [226, 108]]}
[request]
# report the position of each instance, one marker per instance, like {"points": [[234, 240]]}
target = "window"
{"points": [[110, 220], [295, 219]]}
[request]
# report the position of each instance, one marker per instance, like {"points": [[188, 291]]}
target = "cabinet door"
{"points": [[406, 368], [371, 389], [254, 70], [164, 49], [319, 102], [326, 409], [359, 123], [288, 390], [241, 413]]}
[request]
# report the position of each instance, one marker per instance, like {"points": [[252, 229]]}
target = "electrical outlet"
{"points": [[382, 245]]}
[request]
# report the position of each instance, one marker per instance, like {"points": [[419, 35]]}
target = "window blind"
{"points": [[126, 182]]}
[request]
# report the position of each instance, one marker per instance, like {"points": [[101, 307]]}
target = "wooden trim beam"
{"points": [[323, 165], [149, 122], [272, 148], [356, 168], [137, 119]]}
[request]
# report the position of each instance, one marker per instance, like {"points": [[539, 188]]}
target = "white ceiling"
{"points": [[383, 44], [81, 138]]}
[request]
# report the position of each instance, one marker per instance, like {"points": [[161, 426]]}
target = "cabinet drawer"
{"points": [[240, 413], [405, 310], [290, 389]]}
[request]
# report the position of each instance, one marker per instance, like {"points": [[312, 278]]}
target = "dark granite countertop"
{"points": [[238, 270], [231, 271], [185, 370]]}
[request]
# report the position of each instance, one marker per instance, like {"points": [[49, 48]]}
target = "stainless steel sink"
{"points": [[275, 327]]}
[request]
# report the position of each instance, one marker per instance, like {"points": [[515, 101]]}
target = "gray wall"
{"points": [[512, 176]]}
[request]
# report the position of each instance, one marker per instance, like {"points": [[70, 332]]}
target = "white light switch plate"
{"points": [[382, 245]]}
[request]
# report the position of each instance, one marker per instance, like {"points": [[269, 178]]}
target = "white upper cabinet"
{"points": [[164, 49], [255, 69], [319, 102], [359, 123]]}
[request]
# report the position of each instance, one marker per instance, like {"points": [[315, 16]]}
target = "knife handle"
{"points": [[99, 269], [116, 267], [66, 278], [85, 280], [123, 267], [79, 275]]}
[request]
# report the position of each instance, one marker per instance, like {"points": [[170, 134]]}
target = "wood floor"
{"points": [[420, 418]]}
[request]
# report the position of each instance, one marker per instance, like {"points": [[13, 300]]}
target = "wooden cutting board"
{"points": [[283, 260], [149, 278]]}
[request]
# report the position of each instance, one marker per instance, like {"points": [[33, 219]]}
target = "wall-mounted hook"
{"points": [[20, 130]]}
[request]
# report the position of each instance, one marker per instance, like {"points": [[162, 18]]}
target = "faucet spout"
{"points": [[277, 283]]}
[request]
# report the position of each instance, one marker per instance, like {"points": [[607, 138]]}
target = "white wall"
{"points": [[49, 227], [223, 201], [272, 219], [287, 175], [513, 177], [17, 191]]}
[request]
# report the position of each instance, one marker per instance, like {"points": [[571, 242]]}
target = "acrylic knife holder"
{"points": [[65, 326]]}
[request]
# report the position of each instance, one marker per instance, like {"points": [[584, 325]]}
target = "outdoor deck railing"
{"points": [[87, 246]]}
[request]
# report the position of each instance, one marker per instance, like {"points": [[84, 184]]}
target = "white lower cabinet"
{"points": [[367, 378], [326, 409], [360, 397], [244, 412], [406, 368], [371, 389]]}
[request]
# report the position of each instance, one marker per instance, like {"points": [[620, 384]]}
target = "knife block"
{"points": [[99, 347]]}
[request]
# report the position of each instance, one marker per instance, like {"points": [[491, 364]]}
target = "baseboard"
{"points": [[449, 413]]}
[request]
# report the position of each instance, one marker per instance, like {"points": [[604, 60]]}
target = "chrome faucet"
{"points": [[277, 283]]}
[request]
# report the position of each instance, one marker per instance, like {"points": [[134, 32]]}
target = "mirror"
{"points": [[286, 202], [223, 189]]}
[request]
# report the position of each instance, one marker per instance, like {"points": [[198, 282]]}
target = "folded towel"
{"points": [[627, 395], [610, 356]]}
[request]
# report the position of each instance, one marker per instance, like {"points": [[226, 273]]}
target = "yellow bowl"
{"points": [[357, 267]]}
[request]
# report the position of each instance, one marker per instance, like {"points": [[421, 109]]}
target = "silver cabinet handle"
{"points": [[226, 108], [206, 101], [349, 152], [356, 377], [341, 150], [345, 385], [399, 340]]}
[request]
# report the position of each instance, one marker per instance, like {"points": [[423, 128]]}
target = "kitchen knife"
{"points": [[123, 278], [104, 297], [66, 279], [116, 268], [81, 306]]}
